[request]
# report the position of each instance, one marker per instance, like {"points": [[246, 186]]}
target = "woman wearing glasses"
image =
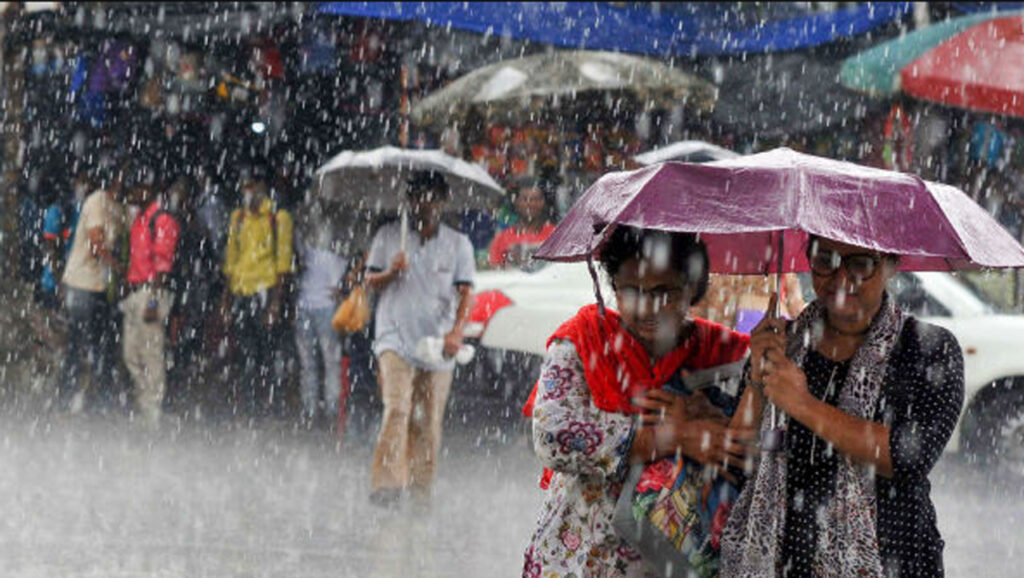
{"points": [[871, 396]]}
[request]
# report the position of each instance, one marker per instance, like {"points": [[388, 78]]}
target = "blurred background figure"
{"points": [[195, 288], [534, 205], [87, 277], [258, 258], [59, 221], [739, 301], [153, 248], [320, 289]]}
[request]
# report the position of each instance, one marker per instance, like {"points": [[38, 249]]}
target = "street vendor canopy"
{"points": [[674, 29]]}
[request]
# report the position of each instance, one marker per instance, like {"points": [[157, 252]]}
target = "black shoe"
{"points": [[385, 497]]}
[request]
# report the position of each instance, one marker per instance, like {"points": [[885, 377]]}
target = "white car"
{"points": [[527, 307]]}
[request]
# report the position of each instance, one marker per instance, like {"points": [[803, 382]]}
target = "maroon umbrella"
{"points": [[744, 208], [756, 212]]}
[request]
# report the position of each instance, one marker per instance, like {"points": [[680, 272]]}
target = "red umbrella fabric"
{"points": [[741, 207], [977, 69]]}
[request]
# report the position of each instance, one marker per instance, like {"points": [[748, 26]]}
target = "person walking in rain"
{"points": [[320, 288], [599, 405], [425, 292], [153, 240], [872, 397], [86, 276], [258, 257]]}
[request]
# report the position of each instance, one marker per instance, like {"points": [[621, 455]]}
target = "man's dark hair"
{"points": [[257, 170], [105, 168], [138, 172], [687, 254], [422, 182]]}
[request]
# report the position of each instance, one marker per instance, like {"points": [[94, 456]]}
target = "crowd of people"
{"points": [[174, 301], [156, 270], [128, 249], [145, 259]]}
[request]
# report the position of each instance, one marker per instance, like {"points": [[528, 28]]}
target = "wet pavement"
{"points": [[85, 497]]}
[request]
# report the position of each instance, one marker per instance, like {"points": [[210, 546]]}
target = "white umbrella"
{"points": [[688, 151], [511, 86], [376, 179]]}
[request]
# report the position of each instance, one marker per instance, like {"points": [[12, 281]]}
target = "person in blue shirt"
{"points": [[59, 220]]}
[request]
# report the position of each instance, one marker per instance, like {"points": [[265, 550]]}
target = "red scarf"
{"points": [[618, 368]]}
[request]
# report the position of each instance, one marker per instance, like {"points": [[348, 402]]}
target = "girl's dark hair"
{"points": [[687, 254]]}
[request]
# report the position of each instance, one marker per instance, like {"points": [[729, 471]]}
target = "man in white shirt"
{"points": [[425, 291], [86, 277]]}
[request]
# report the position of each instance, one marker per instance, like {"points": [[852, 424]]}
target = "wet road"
{"points": [[82, 497]]}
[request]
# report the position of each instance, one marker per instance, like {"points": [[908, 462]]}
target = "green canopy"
{"points": [[877, 71]]}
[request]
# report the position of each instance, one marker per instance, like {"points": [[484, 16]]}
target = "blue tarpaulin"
{"points": [[675, 29]]}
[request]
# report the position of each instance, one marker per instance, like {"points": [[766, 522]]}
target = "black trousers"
{"points": [[254, 382], [92, 339]]}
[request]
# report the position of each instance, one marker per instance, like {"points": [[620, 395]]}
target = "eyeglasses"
{"points": [[859, 266]]}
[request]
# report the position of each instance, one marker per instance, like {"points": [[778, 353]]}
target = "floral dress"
{"points": [[588, 450]]}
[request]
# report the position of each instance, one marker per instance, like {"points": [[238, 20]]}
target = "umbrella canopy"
{"points": [[376, 179], [743, 207], [974, 69], [512, 86], [690, 151], [876, 71]]}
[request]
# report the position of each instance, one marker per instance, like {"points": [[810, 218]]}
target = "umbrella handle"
{"points": [[778, 276], [597, 283], [774, 439], [403, 239]]}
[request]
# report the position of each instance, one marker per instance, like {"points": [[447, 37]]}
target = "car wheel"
{"points": [[997, 436]]}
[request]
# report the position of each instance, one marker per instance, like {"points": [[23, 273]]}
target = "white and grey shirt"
{"points": [[423, 301]]}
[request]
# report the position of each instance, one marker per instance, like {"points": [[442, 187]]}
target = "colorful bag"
{"points": [[673, 511]]}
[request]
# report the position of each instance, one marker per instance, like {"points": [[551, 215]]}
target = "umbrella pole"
{"points": [[778, 278], [403, 241], [597, 283], [774, 439]]}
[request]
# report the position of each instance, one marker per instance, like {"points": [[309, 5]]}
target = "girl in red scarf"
{"points": [[598, 405]]}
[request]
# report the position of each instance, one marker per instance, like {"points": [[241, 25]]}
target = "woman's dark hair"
{"points": [[687, 254], [812, 239]]}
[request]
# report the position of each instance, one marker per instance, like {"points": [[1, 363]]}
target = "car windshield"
{"points": [[937, 294]]}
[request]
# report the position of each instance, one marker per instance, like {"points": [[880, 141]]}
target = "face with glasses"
{"points": [[850, 280], [653, 302]]}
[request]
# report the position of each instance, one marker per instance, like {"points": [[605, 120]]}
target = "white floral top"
{"points": [[588, 450]]}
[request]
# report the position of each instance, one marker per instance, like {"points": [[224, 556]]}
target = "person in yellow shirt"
{"points": [[258, 262]]}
